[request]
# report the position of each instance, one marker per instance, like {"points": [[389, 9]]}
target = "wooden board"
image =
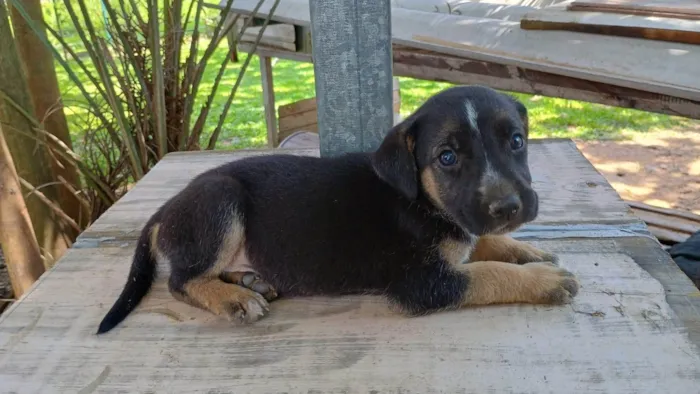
{"points": [[668, 225], [275, 36], [490, 10], [301, 140], [302, 114], [633, 328], [651, 66], [688, 9], [578, 196], [433, 66], [662, 29]]}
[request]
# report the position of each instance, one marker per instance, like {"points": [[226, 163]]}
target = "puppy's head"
{"points": [[465, 151]]}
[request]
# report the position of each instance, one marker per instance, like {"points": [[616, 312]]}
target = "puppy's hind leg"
{"points": [[201, 234]]}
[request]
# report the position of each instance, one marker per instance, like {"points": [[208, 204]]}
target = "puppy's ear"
{"points": [[394, 160], [522, 110]]}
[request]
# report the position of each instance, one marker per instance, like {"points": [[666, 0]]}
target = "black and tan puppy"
{"points": [[420, 221]]}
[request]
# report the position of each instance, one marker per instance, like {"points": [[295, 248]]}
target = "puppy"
{"points": [[420, 221]]}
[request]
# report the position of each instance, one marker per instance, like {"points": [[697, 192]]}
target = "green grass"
{"points": [[245, 126], [549, 117]]}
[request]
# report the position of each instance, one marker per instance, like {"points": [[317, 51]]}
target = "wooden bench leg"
{"points": [[269, 100], [231, 38]]}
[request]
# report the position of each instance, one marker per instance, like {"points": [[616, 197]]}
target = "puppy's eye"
{"points": [[517, 141], [447, 158]]}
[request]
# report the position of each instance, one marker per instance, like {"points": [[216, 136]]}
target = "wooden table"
{"points": [[634, 328]]}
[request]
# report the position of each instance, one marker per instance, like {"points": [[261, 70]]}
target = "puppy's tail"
{"points": [[138, 284]]}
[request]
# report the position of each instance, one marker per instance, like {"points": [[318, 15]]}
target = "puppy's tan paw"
{"points": [[550, 284], [244, 306]]}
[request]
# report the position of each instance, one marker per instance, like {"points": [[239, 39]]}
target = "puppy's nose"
{"points": [[505, 208]]}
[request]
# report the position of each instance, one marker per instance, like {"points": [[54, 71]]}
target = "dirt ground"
{"points": [[659, 168]]}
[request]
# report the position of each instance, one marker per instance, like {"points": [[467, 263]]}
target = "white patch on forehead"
{"points": [[488, 178], [472, 115]]}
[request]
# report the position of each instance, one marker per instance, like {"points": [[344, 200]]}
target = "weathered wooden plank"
{"points": [[620, 334], [303, 115], [280, 32], [571, 190], [275, 36], [663, 29], [491, 10], [674, 9], [428, 65], [447, 68], [269, 100], [300, 140], [670, 212], [651, 66]]}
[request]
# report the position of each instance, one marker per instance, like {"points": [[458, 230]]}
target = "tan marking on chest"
{"points": [[240, 262], [454, 251]]}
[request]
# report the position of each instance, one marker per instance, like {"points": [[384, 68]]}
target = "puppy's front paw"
{"points": [[526, 253], [509, 250], [550, 284]]}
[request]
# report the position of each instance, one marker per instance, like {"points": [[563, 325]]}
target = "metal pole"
{"points": [[351, 47]]}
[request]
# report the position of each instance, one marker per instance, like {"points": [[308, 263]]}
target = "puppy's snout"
{"points": [[506, 208]]}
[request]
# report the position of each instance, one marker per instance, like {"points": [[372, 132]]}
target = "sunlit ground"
{"points": [[659, 168]]}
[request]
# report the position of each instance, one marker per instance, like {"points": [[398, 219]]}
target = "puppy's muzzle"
{"points": [[506, 208]]}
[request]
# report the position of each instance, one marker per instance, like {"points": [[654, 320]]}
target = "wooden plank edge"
{"points": [[425, 64], [665, 235], [632, 9], [439, 45], [666, 222], [666, 211], [296, 12], [649, 33]]}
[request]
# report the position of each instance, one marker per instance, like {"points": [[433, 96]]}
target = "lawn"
{"points": [[549, 117], [245, 127]]}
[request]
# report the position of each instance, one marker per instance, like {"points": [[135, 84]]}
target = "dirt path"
{"points": [[659, 168]]}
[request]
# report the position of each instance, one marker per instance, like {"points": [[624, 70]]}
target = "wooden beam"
{"points": [[268, 100], [662, 29], [351, 46], [428, 65], [671, 9], [651, 66]]}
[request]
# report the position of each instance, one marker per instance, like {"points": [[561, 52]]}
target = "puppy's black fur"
{"points": [[396, 222]]}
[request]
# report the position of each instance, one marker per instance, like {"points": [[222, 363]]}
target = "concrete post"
{"points": [[351, 47]]}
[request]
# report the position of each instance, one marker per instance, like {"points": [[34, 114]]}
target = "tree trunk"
{"points": [[38, 66], [32, 161], [22, 256]]}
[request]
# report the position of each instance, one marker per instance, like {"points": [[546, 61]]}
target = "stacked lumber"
{"points": [[647, 65], [668, 225], [280, 36], [670, 21], [302, 115]]}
